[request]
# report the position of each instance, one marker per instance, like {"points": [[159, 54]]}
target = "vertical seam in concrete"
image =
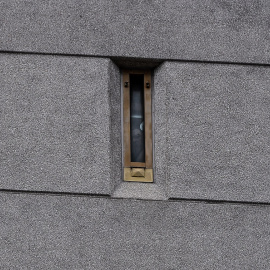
{"points": [[167, 173], [110, 125]]}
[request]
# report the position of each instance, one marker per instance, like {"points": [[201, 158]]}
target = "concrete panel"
{"points": [[114, 85], [235, 31], [56, 123], [212, 126], [64, 232]]}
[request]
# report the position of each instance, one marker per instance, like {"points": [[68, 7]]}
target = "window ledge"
{"points": [[140, 191]]}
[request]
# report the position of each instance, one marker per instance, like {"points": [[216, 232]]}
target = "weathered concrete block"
{"points": [[58, 123], [212, 126], [69, 232], [213, 30]]}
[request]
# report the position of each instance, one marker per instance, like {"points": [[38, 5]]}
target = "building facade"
{"points": [[64, 203]]}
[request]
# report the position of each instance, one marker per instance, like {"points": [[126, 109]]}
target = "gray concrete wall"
{"points": [[213, 30], [212, 126], [66, 232], [60, 130], [60, 124]]}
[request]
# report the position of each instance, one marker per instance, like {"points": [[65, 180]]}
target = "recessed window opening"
{"points": [[137, 124]]}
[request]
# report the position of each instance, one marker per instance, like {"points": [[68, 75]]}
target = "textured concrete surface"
{"points": [[58, 124], [64, 232], [216, 30], [148, 191], [114, 85], [160, 134], [212, 126]]}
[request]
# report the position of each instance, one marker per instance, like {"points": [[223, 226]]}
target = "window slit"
{"points": [[137, 137]]}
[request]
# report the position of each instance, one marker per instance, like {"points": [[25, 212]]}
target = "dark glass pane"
{"points": [[137, 117]]}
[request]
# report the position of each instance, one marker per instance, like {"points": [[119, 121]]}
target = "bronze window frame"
{"points": [[137, 171]]}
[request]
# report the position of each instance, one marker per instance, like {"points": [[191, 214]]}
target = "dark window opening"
{"points": [[137, 142]]}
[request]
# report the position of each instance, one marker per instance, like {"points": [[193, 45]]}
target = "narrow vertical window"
{"points": [[137, 143], [137, 118]]}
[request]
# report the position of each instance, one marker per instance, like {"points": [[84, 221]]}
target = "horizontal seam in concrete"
{"points": [[74, 194], [112, 57], [217, 201], [54, 193]]}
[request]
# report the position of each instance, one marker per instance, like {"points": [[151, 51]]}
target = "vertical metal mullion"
{"points": [[148, 121], [126, 119]]}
